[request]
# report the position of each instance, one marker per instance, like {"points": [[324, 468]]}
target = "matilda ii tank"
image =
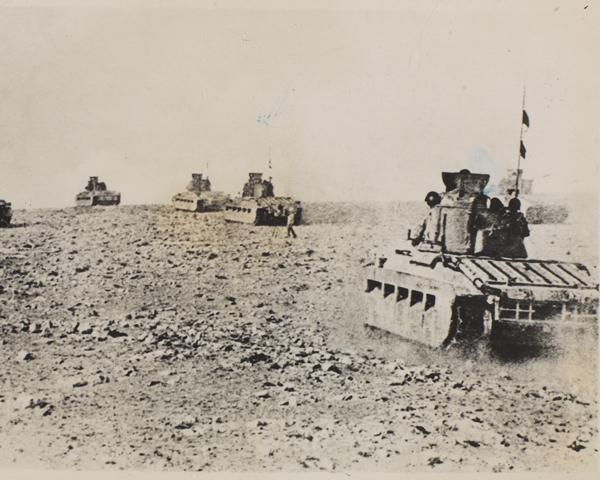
{"points": [[445, 286], [536, 210], [5, 214], [96, 194], [260, 206], [199, 197]]}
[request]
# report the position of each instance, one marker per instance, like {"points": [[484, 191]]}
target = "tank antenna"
{"points": [[524, 121]]}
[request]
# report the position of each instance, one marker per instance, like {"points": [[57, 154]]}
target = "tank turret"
{"points": [[95, 186], [198, 184], [256, 187], [536, 210], [450, 226], [508, 185]]}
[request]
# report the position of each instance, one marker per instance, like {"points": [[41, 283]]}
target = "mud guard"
{"points": [[414, 314]]}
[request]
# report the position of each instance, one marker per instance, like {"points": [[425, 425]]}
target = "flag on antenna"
{"points": [[525, 118], [523, 151]]}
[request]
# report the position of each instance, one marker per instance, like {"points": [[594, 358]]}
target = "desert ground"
{"points": [[143, 338]]}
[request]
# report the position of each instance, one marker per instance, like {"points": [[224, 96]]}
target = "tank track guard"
{"points": [[437, 299]]}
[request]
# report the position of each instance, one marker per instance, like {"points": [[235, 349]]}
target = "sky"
{"points": [[337, 101]]}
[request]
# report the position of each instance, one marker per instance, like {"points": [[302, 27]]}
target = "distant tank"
{"points": [[536, 211], [443, 288], [5, 214], [96, 194], [199, 197], [260, 206]]}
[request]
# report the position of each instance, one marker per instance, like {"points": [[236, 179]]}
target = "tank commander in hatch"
{"points": [[429, 224]]}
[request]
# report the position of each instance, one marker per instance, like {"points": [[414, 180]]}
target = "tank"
{"points": [[96, 194], [199, 197], [444, 287], [536, 210], [5, 214], [259, 205]]}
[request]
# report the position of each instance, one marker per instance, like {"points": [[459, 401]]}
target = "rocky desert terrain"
{"points": [[142, 338]]}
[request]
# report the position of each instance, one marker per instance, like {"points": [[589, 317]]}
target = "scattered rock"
{"points": [[115, 333], [85, 328], [266, 339], [24, 355]]}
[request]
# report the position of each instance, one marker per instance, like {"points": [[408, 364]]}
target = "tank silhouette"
{"points": [[536, 211], [259, 205], [5, 214], [199, 197], [445, 289], [95, 193]]}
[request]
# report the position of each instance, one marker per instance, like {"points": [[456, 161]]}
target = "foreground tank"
{"points": [[96, 194], [260, 206], [536, 210], [442, 291], [5, 214], [199, 197]]}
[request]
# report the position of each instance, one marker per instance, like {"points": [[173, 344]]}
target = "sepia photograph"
{"points": [[295, 238]]}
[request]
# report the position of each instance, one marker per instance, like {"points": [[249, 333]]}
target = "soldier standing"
{"points": [[291, 218]]}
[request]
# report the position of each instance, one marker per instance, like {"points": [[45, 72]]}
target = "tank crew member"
{"points": [[268, 188], [291, 218], [488, 242], [428, 228], [514, 229]]}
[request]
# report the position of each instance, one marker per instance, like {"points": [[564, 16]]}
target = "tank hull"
{"points": [[201, 202], [261, 211], [437, 299], [544, 214], [91, 199], [413, 307], [5, 214]]}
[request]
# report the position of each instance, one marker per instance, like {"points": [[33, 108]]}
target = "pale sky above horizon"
{"points": [[349, 102]]}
